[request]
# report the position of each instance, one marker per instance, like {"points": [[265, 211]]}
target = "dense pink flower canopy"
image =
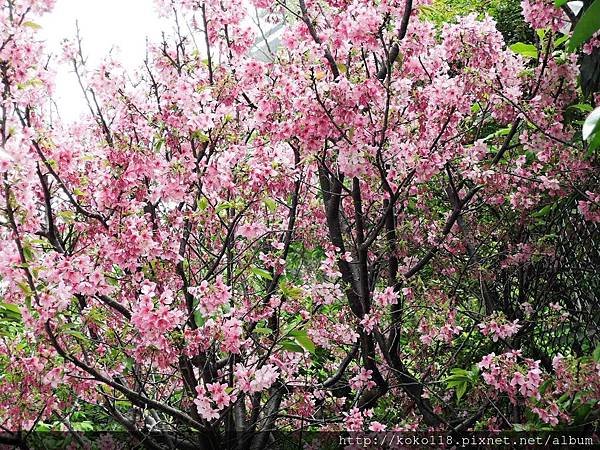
{"points": [[316, 238]]}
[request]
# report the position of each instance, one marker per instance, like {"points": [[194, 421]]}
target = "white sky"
{"points": [[103, 25]]}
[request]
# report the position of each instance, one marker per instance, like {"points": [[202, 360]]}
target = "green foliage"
{"points": [[527, 50], [596, 354], [510, 21], [9, 312], [586, 26], [291, 346], [591, 128], [462, 380], [303, 340], [261, 273], [507, 14]]}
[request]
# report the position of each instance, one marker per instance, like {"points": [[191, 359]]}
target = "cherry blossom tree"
{"points": [[362, 232]]}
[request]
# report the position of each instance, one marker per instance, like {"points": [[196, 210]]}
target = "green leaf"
{"points": [[75, 333], [25, 288], [458, 372], [159, 143], [9, 313], [14, 309], [129, 363], [541, 33], [118, 271], [200, 136], [27, 251], [33, 25], [289, 290], [596, 354], [591, 130], [594, 142], [67, 215], [474, 373], [559, 3], [461, 379], [561, 40], [591, 124], [586, 26], [224, 206], [583, 107], [564, 398], [263, 330], [543, 212], [544, 387], [303, 340], [83, 426], [455, 381], [460, 390], [499, 133], [530, 157], [199, 318], [582, 412], [202, 203], [52, 163], [270, 204], [261, 273], [527, 50], [41, 426], [291, 347]]}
